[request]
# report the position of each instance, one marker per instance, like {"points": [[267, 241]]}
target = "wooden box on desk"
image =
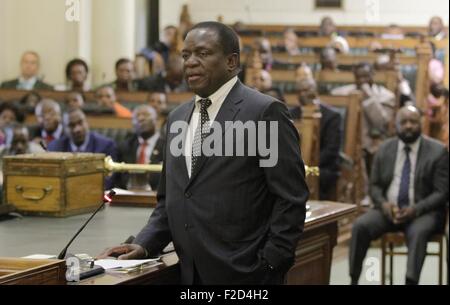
{"points": [[23, 271], [54, 184]]}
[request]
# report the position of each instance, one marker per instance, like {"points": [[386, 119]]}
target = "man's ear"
{"points": [[232, 62]]}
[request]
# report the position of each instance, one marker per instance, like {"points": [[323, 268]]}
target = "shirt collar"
{"points": [[414, 146], [56, 134], [150, 140], [221, 93], [82, 147]]}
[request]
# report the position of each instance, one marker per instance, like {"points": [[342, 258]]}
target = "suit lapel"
{"points": [[391, 158], [419, 161], [227, 112]]}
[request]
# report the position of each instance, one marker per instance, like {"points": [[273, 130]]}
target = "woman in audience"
{"points": [[106, 98], [76, 76], [29, 101]]}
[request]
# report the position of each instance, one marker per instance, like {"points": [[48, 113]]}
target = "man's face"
{"points": [[125, 72], [19, 144], [144, 122], [328, 27], [106, 97], [170, 36], [363, 76], [7, 117], [435, 26], [306, 92], [29, 65], [206, 67], [262, 80], [328, 59], [265, 51], [78, 127], [78, 74], [408, 125], [74, 100], [50, 118], [158, 101]]}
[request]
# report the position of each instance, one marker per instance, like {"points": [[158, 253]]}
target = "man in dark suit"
{"points": [[28, 79], [232, 219], [144, 146], [330, 135], [50, 127], [409, 190], [80, 139]]}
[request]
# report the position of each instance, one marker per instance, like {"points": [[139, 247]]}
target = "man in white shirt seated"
{"points": [[28, 79]]}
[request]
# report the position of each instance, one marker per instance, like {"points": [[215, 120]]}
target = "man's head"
{"points": [[408, 124], [20, 139], [327, 26], [9, 114], [170, 36], [29, 64], [77, 126], [435, 26], [174, 70], [30, 100], [211, 57], [307, 91], [303, 72], [262, 80], [74, 100], [363, 74], [105, 96], [144, 120], [48, 114], [158, 100], [328, 58], [124, 70], [263, 46], [77, 71]]}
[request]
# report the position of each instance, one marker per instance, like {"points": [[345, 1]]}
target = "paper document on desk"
{"points": [[110, 264]]}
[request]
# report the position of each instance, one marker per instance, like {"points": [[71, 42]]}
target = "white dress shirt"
{"points": [[217, 99], [394, 188], [151, 143], [26, 84]]}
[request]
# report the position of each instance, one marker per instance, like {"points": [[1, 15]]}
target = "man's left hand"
{"points": [[405, 215]]}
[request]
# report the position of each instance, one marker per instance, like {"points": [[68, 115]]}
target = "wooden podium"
{"points": [[312, 263], [23, 271]]}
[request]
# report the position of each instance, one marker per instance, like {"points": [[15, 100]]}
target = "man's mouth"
{"points": [[193, 77]]}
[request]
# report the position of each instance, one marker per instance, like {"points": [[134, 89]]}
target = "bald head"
{"points": [[408, 124], [435, 26]]}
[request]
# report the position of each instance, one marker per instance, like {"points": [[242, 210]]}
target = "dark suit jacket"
{"points": [[431, 175], [12, 84], [97, 144], [231, 213], [330, 144], [127, 153]]}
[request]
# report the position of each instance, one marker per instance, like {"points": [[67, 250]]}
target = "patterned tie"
{"points": [[200, 133], [142, 149], [403, 193]]}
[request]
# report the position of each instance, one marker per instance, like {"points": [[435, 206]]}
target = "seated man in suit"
{"points": [[9, 114], [144, 146], [28, 79], [50, 127], [106, 98], [20, 144], [377, 106], [330, 136], [409, 190], [80, 139]]}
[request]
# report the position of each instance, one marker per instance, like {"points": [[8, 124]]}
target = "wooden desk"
{"points": [[144, 199], [312, 263]]}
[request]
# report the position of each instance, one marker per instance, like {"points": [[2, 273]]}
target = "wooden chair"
{"points": [[309, 130], [388, 243]]}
